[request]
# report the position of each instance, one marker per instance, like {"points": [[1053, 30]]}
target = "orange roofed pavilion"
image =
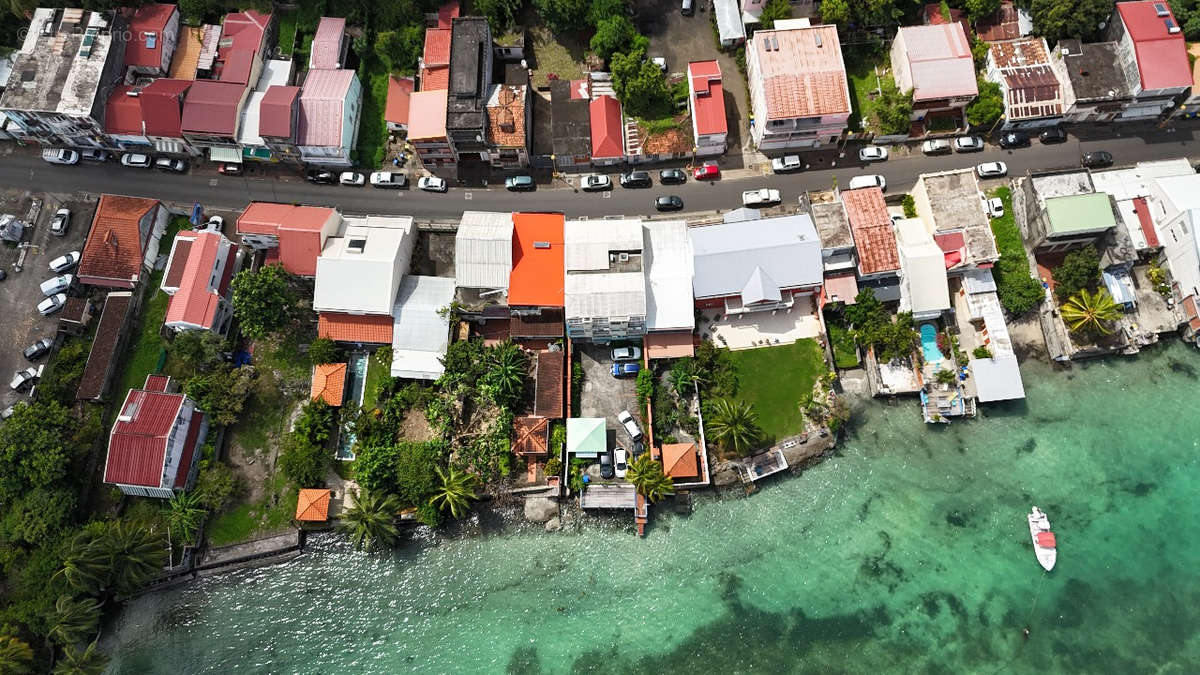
{"points": [[329, 383], [313, 505], [538, 270], [680, 461]]}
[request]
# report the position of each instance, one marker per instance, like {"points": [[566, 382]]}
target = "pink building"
{"points": [[198, 275], [935, 63]]}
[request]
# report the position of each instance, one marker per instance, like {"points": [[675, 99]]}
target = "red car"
{"points": [[707, 171]]}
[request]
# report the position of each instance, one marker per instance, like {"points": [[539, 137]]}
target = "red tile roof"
{"points": [[801, 79], [435, 79], [313, 505], [872, 229], [137, 446], [399, 91], [196, 302], [364, 328], [1161, 56], [212, 107], [115, 247], [538, 273], [531, 435], [299, 230], [104, 347], [147, 19], [326, 47], [329, 383], [122, 112], [547, 324], [275, 111], [608, 134], [708, 105], [162, 106], [437, 47], [680, 460], [549, 384], [934, 17]]}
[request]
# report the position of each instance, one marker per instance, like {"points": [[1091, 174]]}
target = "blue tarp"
{"points": [[1118, 286]]}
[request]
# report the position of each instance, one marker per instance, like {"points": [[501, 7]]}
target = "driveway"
{"points": [[604, 395]]}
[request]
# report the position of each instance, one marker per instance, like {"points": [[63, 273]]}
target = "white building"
{"points": [[923, 289], [605, 284], [359, 271]]}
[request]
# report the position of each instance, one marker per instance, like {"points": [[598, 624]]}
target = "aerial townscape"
{"points": [[665, 324]]}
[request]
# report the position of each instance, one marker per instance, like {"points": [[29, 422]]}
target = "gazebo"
{"points": [[313, 506]]}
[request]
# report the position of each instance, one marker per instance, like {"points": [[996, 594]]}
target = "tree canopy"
{"points": [[987, 107], [1079, 269], [773, 11], [1058, 19], [617, 33], [221, 393], [400, 49], [893, 109], [640, 85], [264, 300]]}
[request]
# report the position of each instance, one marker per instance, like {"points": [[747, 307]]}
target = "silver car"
{"points": [[873, 153], [595, 182], [991, 170], [52, 304], [968, 144]]}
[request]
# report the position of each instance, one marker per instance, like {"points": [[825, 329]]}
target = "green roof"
{"points": [[586, 436], [1079, 214]]}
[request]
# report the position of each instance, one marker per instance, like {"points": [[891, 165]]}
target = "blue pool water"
{"points": [[929, 346], [354, 396]]}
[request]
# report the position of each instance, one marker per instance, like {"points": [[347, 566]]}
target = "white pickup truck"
{"points": [[760, 197]]}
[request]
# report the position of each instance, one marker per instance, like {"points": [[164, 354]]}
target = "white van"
{"points": [[57, 284]]}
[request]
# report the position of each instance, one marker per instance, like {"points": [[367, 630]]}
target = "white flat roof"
{"points": [[587, 243], [668, 262], [997, 379], [618, 294], [359, 271], [924, 267], [248, 131], [420, 334]]}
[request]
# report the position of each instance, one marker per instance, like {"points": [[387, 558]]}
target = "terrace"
{"points": [[760, 466], [794, 320]]}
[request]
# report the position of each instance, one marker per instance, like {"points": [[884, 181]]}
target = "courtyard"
{"points": [[763, 328]]}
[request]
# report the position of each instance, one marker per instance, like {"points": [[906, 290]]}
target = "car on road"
{"points": [[230, 169], [61, 222], [866, 181], [672, 176], [431, 184], [630, 425], [57, 284], [519, 183], [136, 160], [94, 155], [23, 379], [627, 369], [991, 170], [707, 171], [687, 8], [352, 179], [595, 182], [320, 177], [1014, 139], [936, 146], [65, 262], [606, 466], [626, 354], [172, 165], [993, 207], [668, 203], [1053, 135], [620, 464], [968, 144], [1096, 160], [38, 349], [388, 180], [635, 179], [60, 156], [787, 164], [873, 153], [760, 197], [52, 304]]}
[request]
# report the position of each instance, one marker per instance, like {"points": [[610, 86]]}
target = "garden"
{"points": [[1019, 292]]}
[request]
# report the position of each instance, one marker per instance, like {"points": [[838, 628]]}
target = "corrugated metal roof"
{"points": [[605, 295], [327, 43], [726, 255], [997, 379], [322, 101], [420, 334], [483, 250], [729, 20], [248, 133], [587, 243], [667, 260]]}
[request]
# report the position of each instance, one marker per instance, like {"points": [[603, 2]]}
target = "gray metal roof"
{"points": [[997, 379], [726, 256], [619, 294], [729, 19], [420, 334], [483, 250], [979, 281], [587, 243], [741, 215], [668, 261]]}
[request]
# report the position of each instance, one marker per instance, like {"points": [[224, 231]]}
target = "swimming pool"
{"points": [[358, 376], [929, 348]]}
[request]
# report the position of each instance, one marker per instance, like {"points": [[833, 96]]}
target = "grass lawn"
{"points": [[287, 32], [378, 374], [372, 129], [844, 353], [553, 55], [776, 379], [146, 347], [864, 83], [245, 521]]}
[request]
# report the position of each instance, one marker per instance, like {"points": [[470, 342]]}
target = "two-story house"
{"points": [[470, 82], [198, 274], [1033, 95], [278, 121], [330, 107], [605, 283], [706, 99], [153, 33], [1153, 56], [154, 446], [935, 64], [122, 243]]}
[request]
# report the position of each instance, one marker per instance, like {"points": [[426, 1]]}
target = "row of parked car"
{"points": [[54, 292], [377, 179], [137, 160]]}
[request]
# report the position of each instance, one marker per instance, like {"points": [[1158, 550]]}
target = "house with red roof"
{"points": [[154, 446], [935, 63], [329, 45], [198, 275], [875, 241], [434, 66], [162, 103], [122, 243], [537, 280], [707, 99], [123, 119], [399, 96], [1153, 54], [212, 114], [153, 33], [427, 128], [278, 121], [799, 93], [245, 38], [608, 130], [330, 108], [292, 236]]}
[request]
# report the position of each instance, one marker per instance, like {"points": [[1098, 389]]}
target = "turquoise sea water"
{"points": [[908, 551]]}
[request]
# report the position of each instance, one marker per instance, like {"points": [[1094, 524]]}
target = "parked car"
{"points": [[431, 184], [707, 171], [388, 180], [627, 369], [352, 178], [606, 466], [968, 144], [1053, 135], [627, 354], [216, 223], [635, 179], [60, 156], [8, 412], [687, 8], [52, 304], [57, 284], [1014, 139], [320, 177], [23, 379], [936, 146], [866, 181], [1096, 160], [760, 197], [619, 462], [172, 165], [520, 183], [61, 222], [672, 176], [595, 182], [787, 164], [136, 160], [991, 170], [64, 262], [668, 203], [38, 349], [94, 155], [630, 424], [873, 153], [661, 62], [993, 207], [230, 169]]}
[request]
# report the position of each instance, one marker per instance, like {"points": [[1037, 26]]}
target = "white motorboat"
{"points": [[1044, 545]]}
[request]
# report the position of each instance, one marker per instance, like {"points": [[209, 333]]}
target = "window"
{"points": [[151, 40]]}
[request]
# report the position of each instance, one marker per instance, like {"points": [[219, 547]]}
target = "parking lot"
{"points": [[20, 292], [605, 396]]}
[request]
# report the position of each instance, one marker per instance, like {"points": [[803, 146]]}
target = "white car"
{"points": [[136, 160], [52, 304], [630, 424], [991, 170], [61, 222], [58, 284], [786, 164], [64, 263], [60, 156], [594, 182], [968, 144], [660, 62], [760, 197], [431, 184], [870, 180], [627, 354], [873, 153], [214, 223], [352, 178], [620, 463], [25, 377], [994, 207], [387, 179], [935, 146]]}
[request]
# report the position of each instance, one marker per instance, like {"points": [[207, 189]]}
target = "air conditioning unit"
{"points": [[622, 257]]}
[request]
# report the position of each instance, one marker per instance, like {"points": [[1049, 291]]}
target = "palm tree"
{"points": [[507, 366], [183, 514], [85, 568], [1088, 312], [647, 476], [135, 554], [734, 424], [371, 521], [90, 661], [73, 620], [16, 656], [456, 491]]}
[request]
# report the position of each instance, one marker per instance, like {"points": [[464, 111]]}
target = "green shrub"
{"points": [[981, 352], [910, 206], [323, 350]]}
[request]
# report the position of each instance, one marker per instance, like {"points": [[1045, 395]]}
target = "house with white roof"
{"points": [[330, 108], [934, 62], [670, 318], [1138, 206], [483, 262], [924, 290], [1177, 199], [421, 327], [605, 282], [359, 270]]}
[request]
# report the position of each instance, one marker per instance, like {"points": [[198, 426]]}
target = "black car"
{"points": [[635, 179], [1053, 135], [320, 177], [668, 203], [38, 349], [1014, 139], [606, 466], [672, 176], [1097, 159]]}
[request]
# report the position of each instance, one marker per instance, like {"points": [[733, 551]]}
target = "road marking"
{"points": [[467, 195], [212, 182], [606, 195]]}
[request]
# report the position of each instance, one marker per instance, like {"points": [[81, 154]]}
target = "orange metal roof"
{"points": [[680, 460], [114, 248], [187, 53], [313, 505], [329, 383], [363, 328], [538, 271]]}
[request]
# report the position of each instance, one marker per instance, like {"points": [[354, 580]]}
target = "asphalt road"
{"points": [[22, 168]]}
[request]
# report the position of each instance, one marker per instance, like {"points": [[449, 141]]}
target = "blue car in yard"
{"points": [[626, 369]]}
